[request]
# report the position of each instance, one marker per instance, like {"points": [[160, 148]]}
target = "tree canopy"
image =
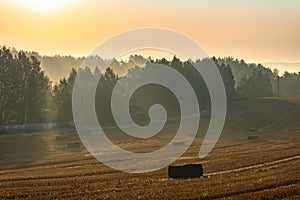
{"points": [[28, 96]]}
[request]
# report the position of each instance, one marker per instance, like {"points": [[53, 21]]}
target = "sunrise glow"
{"points": [[253, 31], [43, 6]]}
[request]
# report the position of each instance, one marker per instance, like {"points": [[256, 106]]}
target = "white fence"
{"points": [[30, 126]]}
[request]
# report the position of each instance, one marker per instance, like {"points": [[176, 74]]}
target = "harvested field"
{"points": [[236, 169], [40, 167]]}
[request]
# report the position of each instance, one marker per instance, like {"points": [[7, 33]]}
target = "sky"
{"points": [[258, 31]]}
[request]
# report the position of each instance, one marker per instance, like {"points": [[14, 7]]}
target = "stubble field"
{"points": [[40, 167]]}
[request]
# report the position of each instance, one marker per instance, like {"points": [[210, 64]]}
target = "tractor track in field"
{"points": [[264, 188], [105, 172], [87, 174], [267, 164]]}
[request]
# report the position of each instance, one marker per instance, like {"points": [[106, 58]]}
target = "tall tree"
{"points": [[24, 88], [257, 85], [62, 97]]}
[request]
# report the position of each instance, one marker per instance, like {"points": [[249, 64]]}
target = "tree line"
{"points": [[24, 89], [28, 96]]}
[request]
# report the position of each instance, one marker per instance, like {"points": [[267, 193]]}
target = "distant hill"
{"points": [[263, 115]]}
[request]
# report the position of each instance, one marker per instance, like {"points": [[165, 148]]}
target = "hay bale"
{"points": [[254, 130], [178, 144], [61, 137], [73, 145], [252, 137], [185, 171]]}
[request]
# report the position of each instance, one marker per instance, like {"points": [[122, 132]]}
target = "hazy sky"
{"points": [[256, 30]]}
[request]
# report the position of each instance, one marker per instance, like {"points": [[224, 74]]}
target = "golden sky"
{"points": [[257, 31]]}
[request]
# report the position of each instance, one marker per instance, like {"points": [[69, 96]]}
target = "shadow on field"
{"points": [[20, 151]]}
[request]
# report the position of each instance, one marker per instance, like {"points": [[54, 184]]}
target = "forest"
{"points": [[28, 95]]}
